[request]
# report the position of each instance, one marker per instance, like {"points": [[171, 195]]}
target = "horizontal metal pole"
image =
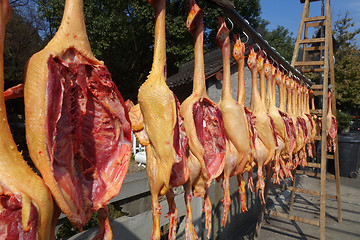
{"points": [[244, 24]]}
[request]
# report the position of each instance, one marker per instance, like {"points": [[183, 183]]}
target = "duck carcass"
{"points": [[77, 127], [205, 129], [159, 126], [331, 126], [266, 141], [238, 148], [26, 206], [279, 123]]}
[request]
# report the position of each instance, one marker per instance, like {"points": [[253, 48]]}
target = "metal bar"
{"points": [[236, 18]]}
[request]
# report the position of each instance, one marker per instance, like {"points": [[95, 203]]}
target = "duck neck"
{"points": [[199, 75], [289, 105], [226, 86], [255, 95], [293, 102], [2, 101], [262, 85], [270, 91], [281, 97], [159, 61], [307, 103], [312, 102], [73, 23], [241, 81]]}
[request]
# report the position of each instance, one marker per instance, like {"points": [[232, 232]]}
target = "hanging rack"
{"points": [[228, 7]]}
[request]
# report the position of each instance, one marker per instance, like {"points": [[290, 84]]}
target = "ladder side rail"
{"points": [[324, 128], [300, 32], [333, 104]]}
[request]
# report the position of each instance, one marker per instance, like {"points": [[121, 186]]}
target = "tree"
{"points": [[121, 34], [248, 9], [21, 41], [281, 39], [347, 59]]}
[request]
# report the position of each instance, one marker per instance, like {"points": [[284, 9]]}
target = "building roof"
{"points": [[213, 64]]}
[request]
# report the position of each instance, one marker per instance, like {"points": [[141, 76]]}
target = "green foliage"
{"points": [[347, 57], [343, 120], [281, 39], [67, 230], [21, 41], [121, 34], [248, 9]]}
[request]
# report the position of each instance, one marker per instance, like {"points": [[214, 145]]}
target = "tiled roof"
{"points": [[213, 64]]}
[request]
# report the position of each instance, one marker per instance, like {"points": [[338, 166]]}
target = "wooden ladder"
{"points": [[323, 45]]}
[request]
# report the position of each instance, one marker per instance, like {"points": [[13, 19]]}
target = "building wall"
{"points": [[214, 86]]}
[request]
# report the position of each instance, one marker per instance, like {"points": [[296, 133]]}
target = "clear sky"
{"points": [[288, 12]]}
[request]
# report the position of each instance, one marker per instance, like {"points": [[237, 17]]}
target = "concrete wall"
{"points": [[134, 199], [214, 86]]}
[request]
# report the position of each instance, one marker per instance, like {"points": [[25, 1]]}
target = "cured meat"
{"points": [[239, 56], [266, 143], [160, 127], [204, 127], [311, 144], [331, 127], [290, 107], [301, 123], [25, 212], [235, 121], [14, 92], [290, 132], [274, 113], [77, 126]]}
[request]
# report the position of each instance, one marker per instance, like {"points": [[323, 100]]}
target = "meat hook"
{"points": [[232, 24], [247, 37]]}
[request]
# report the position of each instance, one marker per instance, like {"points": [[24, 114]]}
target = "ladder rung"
{"points": [[295, 218], [302, 1], [317, 87], [317, 70], [328, 156], [311, 40], [318, 92], [313, 19], [315, 48], [306, 191], [314, 174], [314, 165], [315, 24], [317, 112], [309, 63], [317, 137]]}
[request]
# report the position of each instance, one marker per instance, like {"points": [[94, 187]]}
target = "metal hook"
{"points": [[285, 70], [257, 45], [232, 24], [247, 37], [274, 62], [264, 53]]}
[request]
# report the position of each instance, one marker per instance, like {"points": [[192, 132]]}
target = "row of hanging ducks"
{"points": [[198, 141]]}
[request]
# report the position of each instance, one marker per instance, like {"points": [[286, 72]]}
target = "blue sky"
{"points": [[288, 12]]}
